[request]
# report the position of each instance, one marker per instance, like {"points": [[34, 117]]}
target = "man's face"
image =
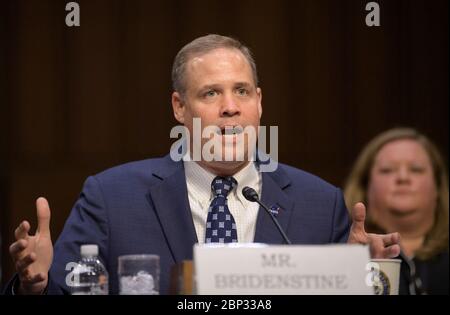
{"points": [[220, 90]]}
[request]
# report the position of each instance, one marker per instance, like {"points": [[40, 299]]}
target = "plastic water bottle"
{"points": [[90, 276]]}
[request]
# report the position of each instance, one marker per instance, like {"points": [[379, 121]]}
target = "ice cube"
{"points": [[140, 284]]}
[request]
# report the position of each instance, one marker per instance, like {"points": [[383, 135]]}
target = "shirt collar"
{"points": [[200, 180]]}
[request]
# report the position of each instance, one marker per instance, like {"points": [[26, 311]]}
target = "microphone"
{"points": [[251, 195]]}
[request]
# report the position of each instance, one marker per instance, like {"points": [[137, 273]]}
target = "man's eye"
{"points": [[242, 91], [210, 93]]}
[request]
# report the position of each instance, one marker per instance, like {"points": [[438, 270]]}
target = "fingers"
{"points": [[43, 215], [390, 239], [22, 264], [22, 230], [17, 248], [358, 217], [392, 251], [376, 246], [386, 252], [384, 246], [27, 280], [27, 277], [391, 243], [359, 212], [395, 238]]}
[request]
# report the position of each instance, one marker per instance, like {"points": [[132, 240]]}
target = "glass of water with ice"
{"points": [[139, 274]]}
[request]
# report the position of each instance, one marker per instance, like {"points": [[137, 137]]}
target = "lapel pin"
{"points": [[275, 209]]}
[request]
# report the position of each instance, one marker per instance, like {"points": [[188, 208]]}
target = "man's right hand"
{"points": [[33, 254]]}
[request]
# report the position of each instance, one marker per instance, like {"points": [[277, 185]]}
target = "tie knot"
{"points": [[221, 186]]}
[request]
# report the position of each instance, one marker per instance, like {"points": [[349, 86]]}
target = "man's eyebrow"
{"points": [[243, 84], [218, 86], [210, 87]]}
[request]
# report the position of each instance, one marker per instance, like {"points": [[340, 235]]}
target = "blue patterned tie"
{"points": [[220, 225]]}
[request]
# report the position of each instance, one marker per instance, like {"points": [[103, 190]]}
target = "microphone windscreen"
{"points": [[250, 194]]}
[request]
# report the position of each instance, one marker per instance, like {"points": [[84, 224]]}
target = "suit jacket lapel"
{"points": [[273, 195], [171, 204]]}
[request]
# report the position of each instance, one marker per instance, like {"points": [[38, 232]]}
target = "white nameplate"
{"points": [[281, 269]]}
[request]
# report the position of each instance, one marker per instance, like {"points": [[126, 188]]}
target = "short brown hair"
{"points": [[355, 190], [203, 45]]}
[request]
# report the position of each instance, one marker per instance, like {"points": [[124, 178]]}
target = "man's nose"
{"points": [[229, 106]]}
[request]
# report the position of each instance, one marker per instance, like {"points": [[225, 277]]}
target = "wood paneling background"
{"points": [[74, 101]]}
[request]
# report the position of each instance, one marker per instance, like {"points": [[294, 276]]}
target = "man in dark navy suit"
{"points": [[164, 206]]}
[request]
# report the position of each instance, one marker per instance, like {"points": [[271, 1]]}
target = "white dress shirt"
{"points": [[199, 181]]}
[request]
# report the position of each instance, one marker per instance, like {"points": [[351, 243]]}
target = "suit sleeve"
{"points": [[341, 220]]}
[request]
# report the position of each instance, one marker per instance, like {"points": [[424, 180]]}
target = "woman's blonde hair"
{"points": [[355, 190]]}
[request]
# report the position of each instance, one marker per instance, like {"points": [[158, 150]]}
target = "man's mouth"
{"points": [[231, 130]]}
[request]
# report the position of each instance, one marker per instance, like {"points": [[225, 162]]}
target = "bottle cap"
{"points": [[89, 250]]}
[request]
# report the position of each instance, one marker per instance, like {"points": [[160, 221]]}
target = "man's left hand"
{"points": [[381, 245]]}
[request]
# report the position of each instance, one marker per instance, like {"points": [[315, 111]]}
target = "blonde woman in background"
{"points": [[402, 179]]}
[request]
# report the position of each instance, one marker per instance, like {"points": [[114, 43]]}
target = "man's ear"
{"points": [[259, 93], [178, 107]]}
